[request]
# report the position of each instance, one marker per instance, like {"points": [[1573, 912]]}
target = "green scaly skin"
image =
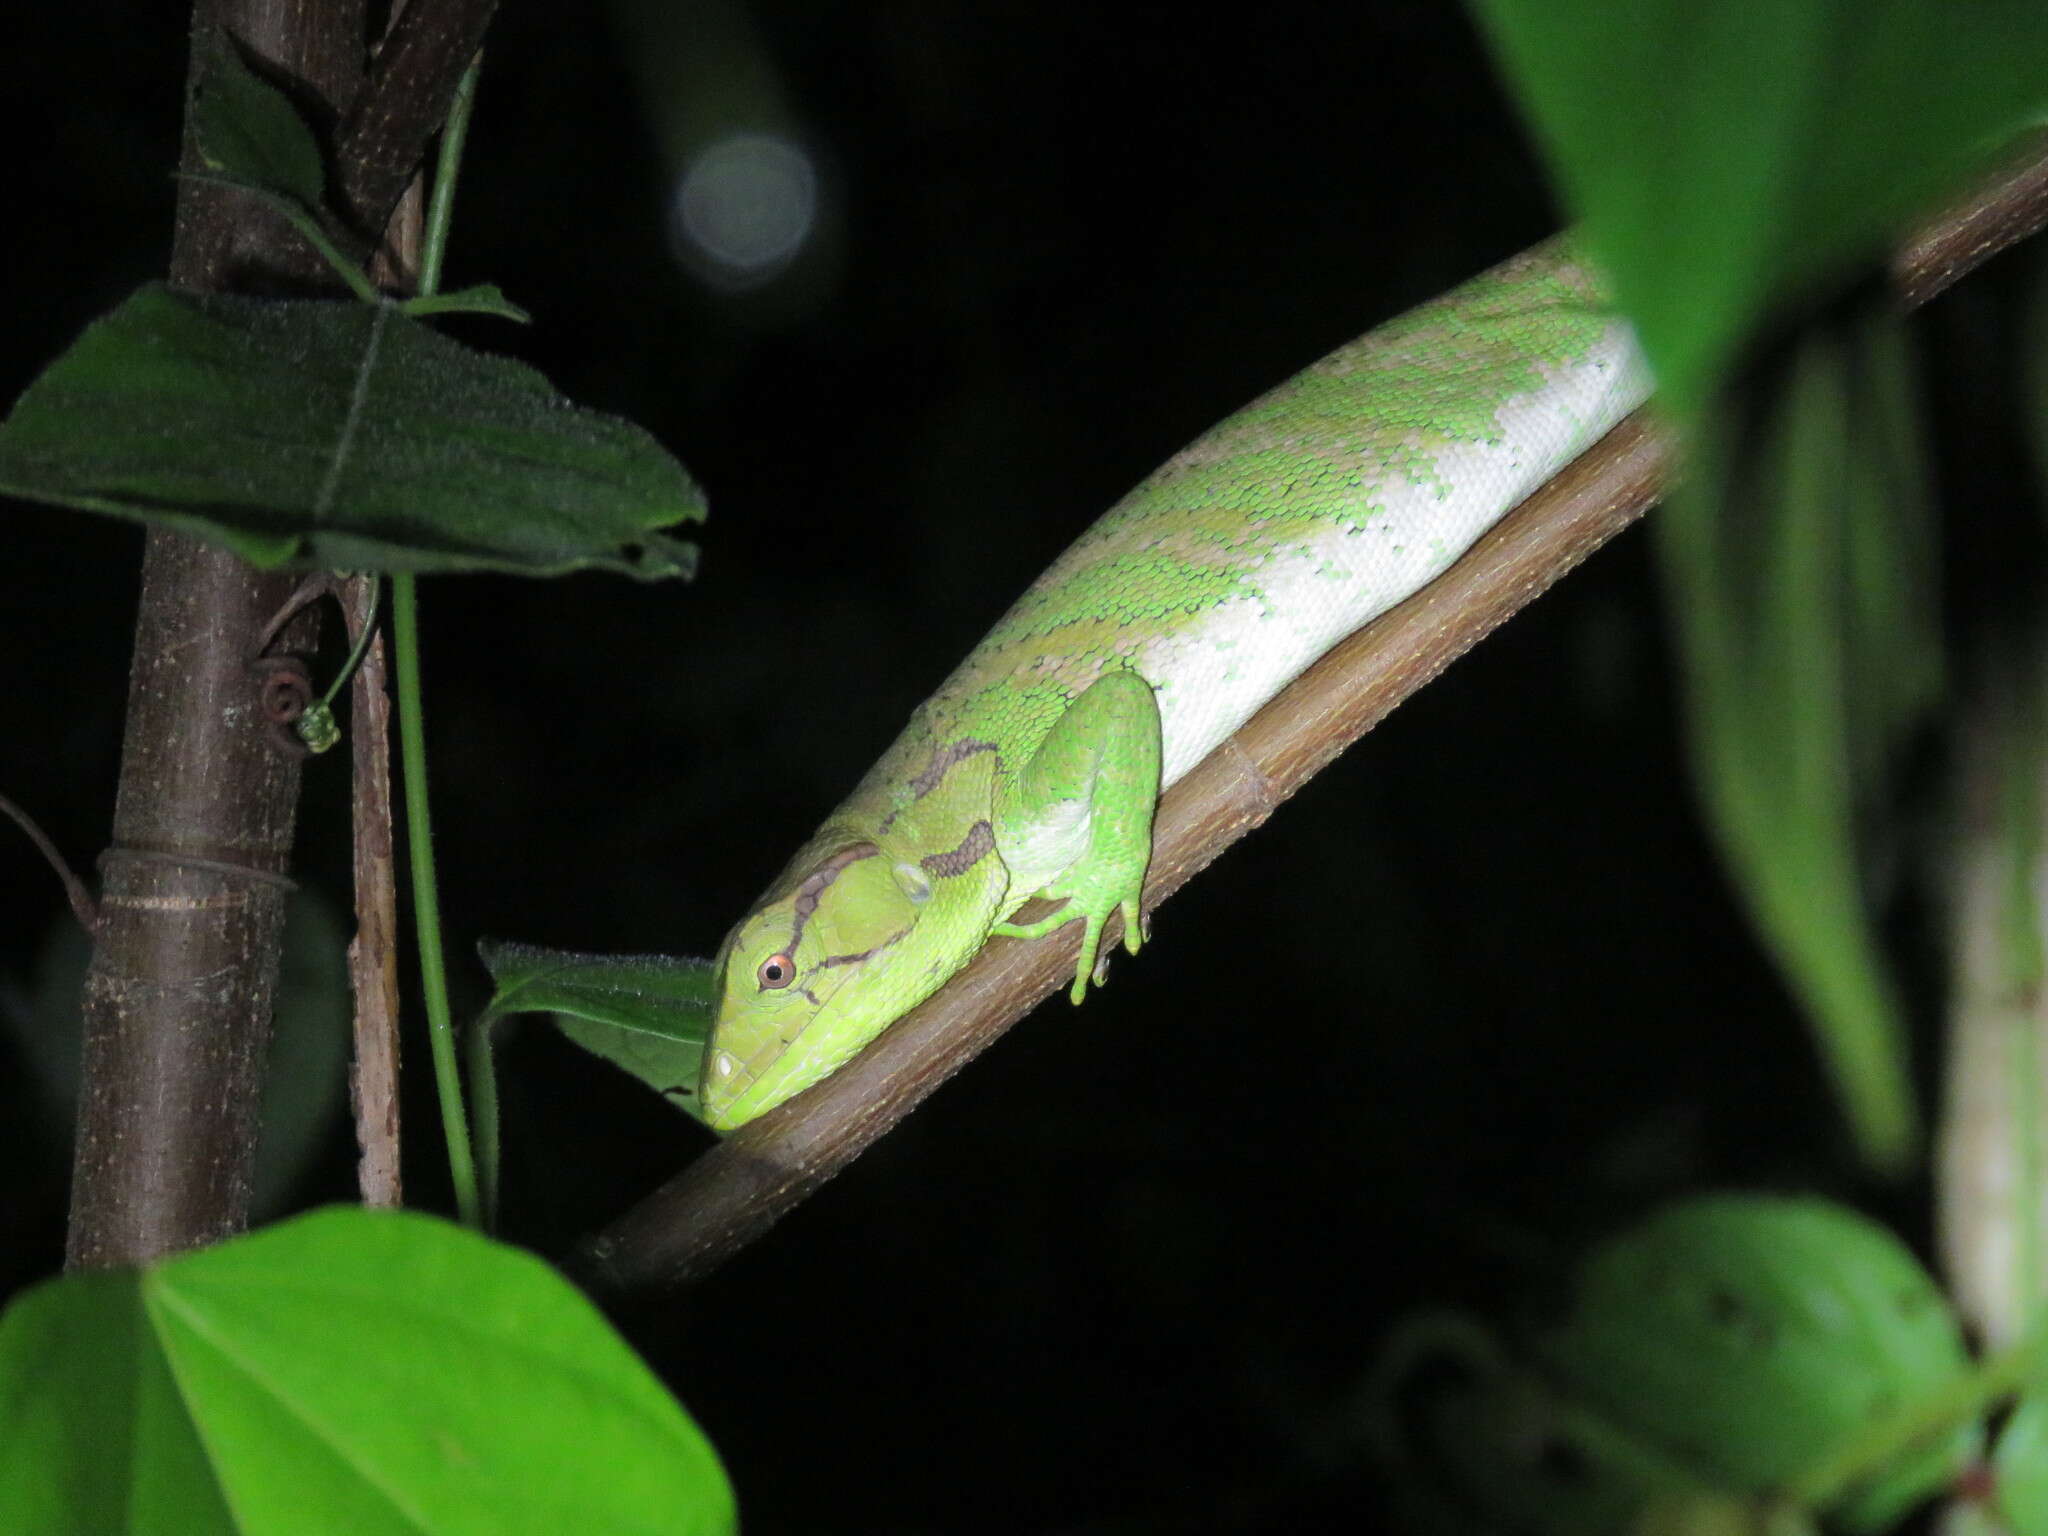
{"points": [[1034, 770]]}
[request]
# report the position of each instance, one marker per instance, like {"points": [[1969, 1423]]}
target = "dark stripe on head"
{"points": [[979, 842], [943, 762], [867, 954], [813, 888]]}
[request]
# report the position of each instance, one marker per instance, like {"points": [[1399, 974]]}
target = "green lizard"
{"points": [[1034, 770]]}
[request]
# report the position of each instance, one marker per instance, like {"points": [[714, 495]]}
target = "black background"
{"points": [[1478, 991]]}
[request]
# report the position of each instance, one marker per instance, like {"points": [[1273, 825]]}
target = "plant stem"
{"points": [[405, 647], [365, 633], [83, 907], [483, 1097], [441, 210]]}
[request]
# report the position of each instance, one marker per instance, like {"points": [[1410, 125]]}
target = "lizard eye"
{"points": [[776, 972]]}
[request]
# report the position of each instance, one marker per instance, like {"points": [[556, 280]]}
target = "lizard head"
{"points": [[832, 954]]}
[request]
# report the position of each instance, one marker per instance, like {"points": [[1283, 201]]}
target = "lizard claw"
{"points": [[1093, 962]]}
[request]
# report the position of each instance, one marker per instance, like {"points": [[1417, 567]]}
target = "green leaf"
{"points": [[249, 131], [342, 436], [1719, 1515], [307, 222], [647, 1014], [669, 1066], [1753, 1335], [664, 995], [350, 1372], [1801, 572], [1713, 1355], [2020, 1466], [1727, 156], [478, 299]]}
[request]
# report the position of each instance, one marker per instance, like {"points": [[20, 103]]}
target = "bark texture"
{"points": [[179, 996]]}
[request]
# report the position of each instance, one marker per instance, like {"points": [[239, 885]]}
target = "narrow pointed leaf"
{"points": [[342, 436], [1800, 574], [478, 299]]}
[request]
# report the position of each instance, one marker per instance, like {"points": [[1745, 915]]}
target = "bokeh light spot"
{"points": [[745, 206]]}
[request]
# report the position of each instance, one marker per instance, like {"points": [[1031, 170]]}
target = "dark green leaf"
{"points": [[342, 436], [349, 1372], [249, 131], [1754, 1335], [307, 222], [646, 1014], [1893, 672], [670, 1067], [1724, 157], [664, 995], [479, 299], [1801, 571]]}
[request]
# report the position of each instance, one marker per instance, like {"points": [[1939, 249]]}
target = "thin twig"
{"points": [[309, 590], [373, 952], [83, 907]]}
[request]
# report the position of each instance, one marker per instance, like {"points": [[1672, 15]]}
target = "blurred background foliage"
{"points": [[1094, 1284]]}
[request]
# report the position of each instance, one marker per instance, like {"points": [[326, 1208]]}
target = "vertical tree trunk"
{"points": [[184, 971]]}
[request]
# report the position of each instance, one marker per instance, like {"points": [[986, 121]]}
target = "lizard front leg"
{"points": [[1077, 821]]}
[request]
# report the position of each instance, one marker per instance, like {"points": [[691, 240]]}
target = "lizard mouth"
{"points": [[728, 1077]]}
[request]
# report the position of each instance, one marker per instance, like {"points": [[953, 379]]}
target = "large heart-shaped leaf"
{"points": [[349, 1372]]}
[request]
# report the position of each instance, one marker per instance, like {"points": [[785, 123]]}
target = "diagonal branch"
{"points": [[737, 1190]]}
